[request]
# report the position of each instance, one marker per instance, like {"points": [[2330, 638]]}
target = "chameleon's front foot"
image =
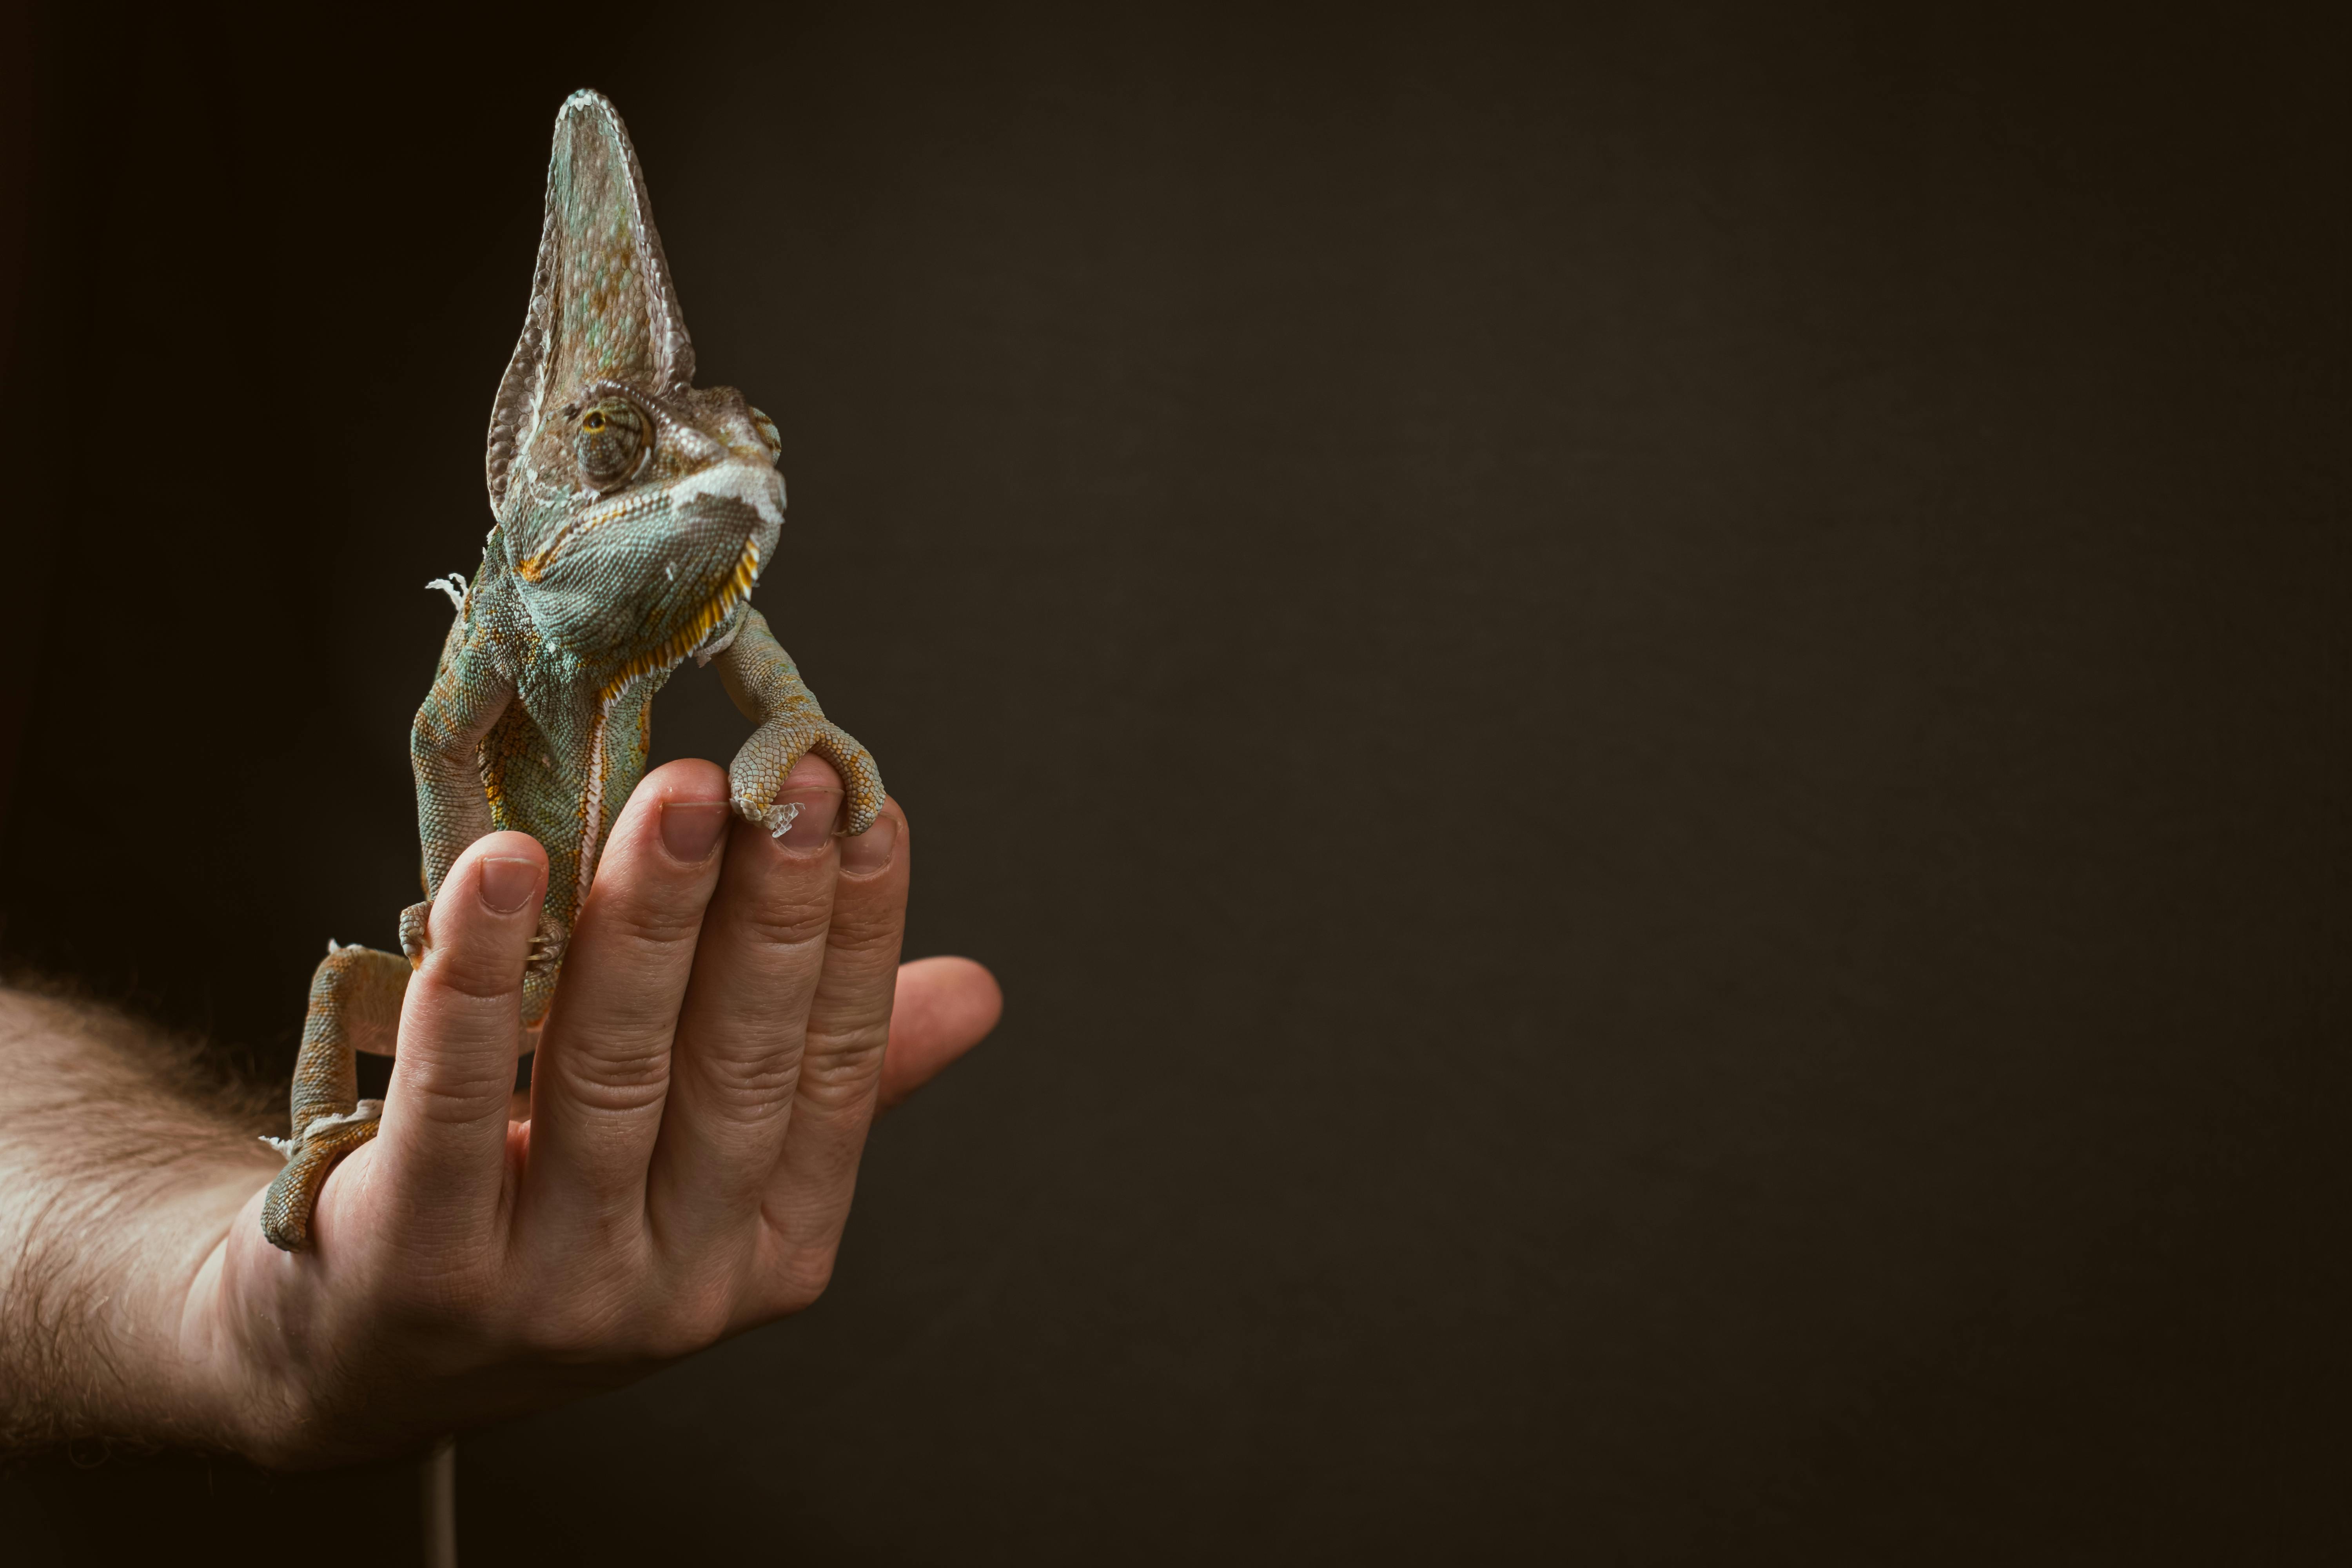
{"points": [[759, 768], [285, 1210], [767, 689]]}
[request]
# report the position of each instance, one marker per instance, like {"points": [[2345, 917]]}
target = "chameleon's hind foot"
{"points": [[356, 997], [285, 1210], [547, 943], [416, 936]]}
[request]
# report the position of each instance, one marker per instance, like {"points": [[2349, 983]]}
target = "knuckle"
{"points": [[625, 1016], [452, 1096], [653, 921], [613, 1077], [700, 1317], [792, 922], [474, 970], [840, 1065], [803, 1280], [745, 1084], [866, 938]]}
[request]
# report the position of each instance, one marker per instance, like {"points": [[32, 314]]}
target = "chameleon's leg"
{"points": [[760, 678], [468, 695], [354, 1007], [356, 995]]}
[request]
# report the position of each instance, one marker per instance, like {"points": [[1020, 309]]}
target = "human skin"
{"points": [[681, 1171]]}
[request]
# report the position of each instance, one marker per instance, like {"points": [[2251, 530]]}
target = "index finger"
{"points": [[442, 1147]]}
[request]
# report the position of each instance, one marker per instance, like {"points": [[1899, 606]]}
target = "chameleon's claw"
{"points": [[777, 817], [416, 936], [547, 945]]}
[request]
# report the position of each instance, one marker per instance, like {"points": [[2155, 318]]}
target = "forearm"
{"points": [[121, 1171]]}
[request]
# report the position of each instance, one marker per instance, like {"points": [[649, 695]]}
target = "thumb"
{"points": [[943, 1007]]}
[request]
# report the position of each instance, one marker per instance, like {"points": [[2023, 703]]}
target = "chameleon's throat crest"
{"points": [[668, 654]]}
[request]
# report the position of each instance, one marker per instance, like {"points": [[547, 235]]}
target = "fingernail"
{"points": [[870, 851], [507, 883], [812, 829], [690, 829]]}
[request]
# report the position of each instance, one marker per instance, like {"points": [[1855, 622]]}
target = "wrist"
{"points": [[162, 1369]]}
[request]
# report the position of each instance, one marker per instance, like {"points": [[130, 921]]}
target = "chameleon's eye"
{"points": [[612, 442]]}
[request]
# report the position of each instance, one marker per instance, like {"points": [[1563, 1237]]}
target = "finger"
{"points": [[738, 1048], [807, 1198], [442, 1148], [944, 1006], [604, 1065]]}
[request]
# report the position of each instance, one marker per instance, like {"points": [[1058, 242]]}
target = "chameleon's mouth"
{"points": [[749, 485]]}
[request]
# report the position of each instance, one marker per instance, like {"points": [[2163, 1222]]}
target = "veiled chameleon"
{"points": [[635, 512]]}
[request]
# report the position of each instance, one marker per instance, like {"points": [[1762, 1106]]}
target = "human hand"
{"points": [[697, 1108]]}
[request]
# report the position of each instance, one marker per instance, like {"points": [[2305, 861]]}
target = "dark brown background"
{"points": [[1646, 717]]}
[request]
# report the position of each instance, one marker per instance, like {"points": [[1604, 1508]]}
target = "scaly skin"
{"points": [[634, 513]]}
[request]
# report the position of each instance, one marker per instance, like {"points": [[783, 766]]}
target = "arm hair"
{"points": [[108, 1126]]}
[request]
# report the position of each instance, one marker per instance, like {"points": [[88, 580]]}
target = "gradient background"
{"points": [[1646, 716]]}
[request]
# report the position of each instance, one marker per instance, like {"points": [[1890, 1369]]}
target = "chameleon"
{"points": [[633, 513]]}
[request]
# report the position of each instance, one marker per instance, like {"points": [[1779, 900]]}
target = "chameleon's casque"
{"points": [[635, 512]]}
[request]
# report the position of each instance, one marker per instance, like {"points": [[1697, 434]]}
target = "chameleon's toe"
{"points": [[286, 1209], [861, 781], [754, 797], [415, 935], [761, 767], [548, 943]]}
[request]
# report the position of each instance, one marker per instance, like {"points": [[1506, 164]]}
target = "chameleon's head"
{"points": [[635, 511]]}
